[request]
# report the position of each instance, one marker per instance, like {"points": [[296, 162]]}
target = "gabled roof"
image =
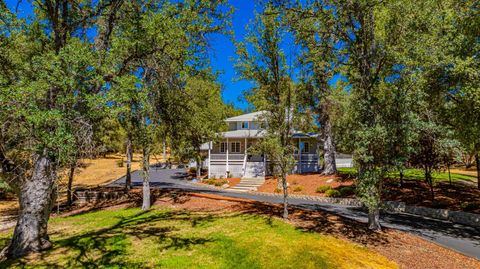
{"points": [[254, 116]]}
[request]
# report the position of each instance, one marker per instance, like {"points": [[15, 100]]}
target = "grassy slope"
{"points": [[415, 174], [178, 239]]}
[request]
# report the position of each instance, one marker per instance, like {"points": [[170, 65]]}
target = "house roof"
{"points": [[247, 117]]}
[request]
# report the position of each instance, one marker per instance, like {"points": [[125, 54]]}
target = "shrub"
{"points": [[215, 182], [120, 163], [466, 206], [323, 189], [277, 190], [192, 170], [298, 188], [332, 193], [347, 191]]}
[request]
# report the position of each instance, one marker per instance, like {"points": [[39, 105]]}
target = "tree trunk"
{"points": [[69, 185], [128, 178], [374, 220], [146, 178], [477, 161], [285, 196], [199, 167], [36, 198], [329, 167]]}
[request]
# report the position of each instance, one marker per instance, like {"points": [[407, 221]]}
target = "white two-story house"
{"points": [[230, 156]]}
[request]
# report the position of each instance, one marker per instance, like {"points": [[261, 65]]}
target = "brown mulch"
{"points": [[417, 192], [308, 183]]}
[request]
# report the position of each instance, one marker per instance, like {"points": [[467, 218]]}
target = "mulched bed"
{"points": [[308, 183], [458, 196]]}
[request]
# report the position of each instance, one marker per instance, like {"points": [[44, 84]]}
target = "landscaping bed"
{"points": [[308, 184], [219, 182]]}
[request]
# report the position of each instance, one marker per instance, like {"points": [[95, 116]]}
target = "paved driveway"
{"points": [[461, 238]]}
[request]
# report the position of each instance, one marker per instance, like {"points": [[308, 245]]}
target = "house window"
{"points": [[235, 147], [223, 147], [245, 125], [306, 147]]}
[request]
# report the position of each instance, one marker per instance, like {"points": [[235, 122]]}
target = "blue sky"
{"points": [[223, 50]]}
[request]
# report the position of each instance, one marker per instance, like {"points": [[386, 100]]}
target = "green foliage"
{"points": [[215, 182], [298, 188], [333, 193], [323, 189], [346, 191]]}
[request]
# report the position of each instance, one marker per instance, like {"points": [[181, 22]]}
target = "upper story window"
{"points": [[223, 147], [244, 125], [235, 147]]}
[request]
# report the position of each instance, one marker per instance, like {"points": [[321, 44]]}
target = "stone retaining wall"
{"points": [[85, 197]]}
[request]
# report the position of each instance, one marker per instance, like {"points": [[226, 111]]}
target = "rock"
{"points": [[330, 180], [224, 186]]}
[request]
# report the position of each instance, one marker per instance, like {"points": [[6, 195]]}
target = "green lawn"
{"points": [[414, 174], [130, 238]]}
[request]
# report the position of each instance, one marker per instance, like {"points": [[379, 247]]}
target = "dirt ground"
{"points": [[472, 171], [90, 173], [305, 184], [408, 251], [458, 196]]}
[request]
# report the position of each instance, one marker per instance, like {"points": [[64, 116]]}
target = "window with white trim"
{"points": [[245, 125], [306, 147], [223, 147], [235, 147]]}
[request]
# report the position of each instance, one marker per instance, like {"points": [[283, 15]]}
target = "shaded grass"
{"points": [[413, 174], [130, 238]]}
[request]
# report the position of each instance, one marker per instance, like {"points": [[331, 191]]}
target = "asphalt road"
{"points": [[461, 238]]}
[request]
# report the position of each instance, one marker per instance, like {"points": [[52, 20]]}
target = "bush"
{"points": [[192, 170], [347, 191], [120, 163], [277, 190], [323, 189], [466, 206], [298, 188], [215, 182], [332, 193]]}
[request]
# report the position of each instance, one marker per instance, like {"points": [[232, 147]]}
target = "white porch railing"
{"points": [[231, 157], [307, 157]]}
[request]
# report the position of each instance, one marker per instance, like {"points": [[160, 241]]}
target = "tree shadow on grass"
{"points": [[109, 246], [319, 222]]}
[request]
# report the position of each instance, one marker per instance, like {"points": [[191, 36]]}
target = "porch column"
{"points": [[209, 157], [227, 168], [299, 164]]}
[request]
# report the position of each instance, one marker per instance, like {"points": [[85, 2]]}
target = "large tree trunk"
{"points": [[70, 184], [36, 198], [146, 178], [374, 220], [285, 195], [477, 160], [128, 178], [329, 167]]}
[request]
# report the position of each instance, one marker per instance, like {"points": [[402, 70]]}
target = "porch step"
{"points": [[248, 184]]}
